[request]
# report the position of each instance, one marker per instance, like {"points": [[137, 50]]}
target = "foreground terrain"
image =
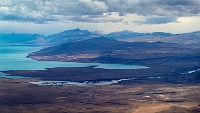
{"points": [[18, 96]]}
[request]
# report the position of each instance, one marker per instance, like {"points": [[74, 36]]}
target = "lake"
{"points": [[13, 57]]}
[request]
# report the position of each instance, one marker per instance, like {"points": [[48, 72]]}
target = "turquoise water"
{"points": [[13, 57]]}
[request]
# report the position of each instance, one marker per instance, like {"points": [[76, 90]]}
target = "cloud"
{"points": [[36, 11], [99, 19], [91, 7], [178, 2], [158, 20], [45, 11], [155, 7]]}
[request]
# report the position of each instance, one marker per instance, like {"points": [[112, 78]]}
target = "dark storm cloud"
{"points": [[178, 2], [155, 7], [41, 11]]}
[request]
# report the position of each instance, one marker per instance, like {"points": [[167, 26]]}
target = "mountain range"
{"points": [[78, 35]]}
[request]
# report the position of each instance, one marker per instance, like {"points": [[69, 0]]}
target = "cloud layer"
{"points": [[97, 11]]}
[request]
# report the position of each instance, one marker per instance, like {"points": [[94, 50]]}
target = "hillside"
{"points": [[192, 38], [93, 50], [70, 36]]}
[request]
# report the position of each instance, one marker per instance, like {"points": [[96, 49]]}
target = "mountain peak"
{"points": [[77, 29], [71, 31]]}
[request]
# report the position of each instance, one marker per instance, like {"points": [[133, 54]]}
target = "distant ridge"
{"points": [[78, 35], [70, 36]]}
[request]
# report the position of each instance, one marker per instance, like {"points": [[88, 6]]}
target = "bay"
{"points": [[14, 57]]}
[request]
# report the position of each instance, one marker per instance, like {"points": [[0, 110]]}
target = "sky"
{"points": [[53, 16]]}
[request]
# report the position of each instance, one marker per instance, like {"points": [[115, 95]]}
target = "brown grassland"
{"points": [[18, 96]]}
